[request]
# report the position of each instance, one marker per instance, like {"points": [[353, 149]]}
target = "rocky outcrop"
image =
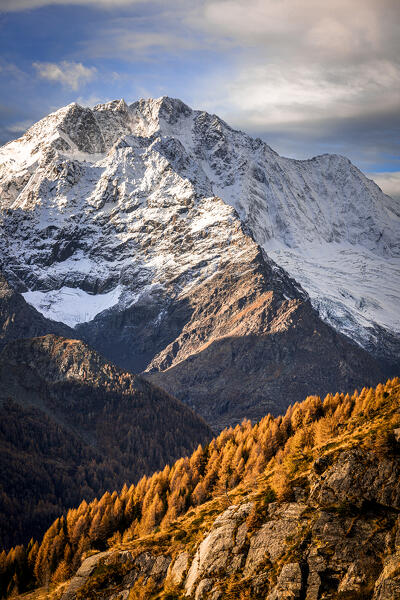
{"points": [[284, 521], [82, 575], [145, 566], [178, 568], [341, 542], [130, 568], [221, 550], [346, 542], [355, 479], [388, 585], [232, 548], [289, 584]]}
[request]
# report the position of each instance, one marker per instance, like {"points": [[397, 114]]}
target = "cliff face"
{"points": [[254, 344]]}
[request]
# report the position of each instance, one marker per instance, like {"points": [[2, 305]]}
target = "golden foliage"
{"points": [[285, 444]]}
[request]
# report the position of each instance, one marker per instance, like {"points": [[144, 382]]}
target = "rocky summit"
{"points": [[236, 279]]}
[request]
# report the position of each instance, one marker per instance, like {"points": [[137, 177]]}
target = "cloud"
{"points": [[388, 182], [266, 95], [20, 5], [11, 70], [20, 126], [328, 30], [13, 129], [119, 40], [70, 74], [91, 100], [155, 30], [307, 59], [313, 76], [285, 62]]}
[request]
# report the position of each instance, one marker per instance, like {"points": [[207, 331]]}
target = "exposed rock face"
{"points": [[272, 536], [342, 542], [238, 359], [356, 479], [143, 566], [252, 336], [156, 231], [178, 568], [289, 583], [231, 549], [388, 585], [82, 575], [215, 552]]}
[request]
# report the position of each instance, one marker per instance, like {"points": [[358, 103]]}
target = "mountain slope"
{"points": [[302, 506], [129, 223], [253, 337], [73, 426], [322, 220]]}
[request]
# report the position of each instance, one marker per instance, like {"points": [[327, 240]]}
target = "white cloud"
{"points": [[122, 38], [294, 27], [71, 74], [91, 100], [388, 182], [11, 70], [259, 96], [19, 5], [326, 71]]}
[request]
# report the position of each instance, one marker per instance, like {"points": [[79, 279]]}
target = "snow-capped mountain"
{"points": [[120, 217], [330, 227]]}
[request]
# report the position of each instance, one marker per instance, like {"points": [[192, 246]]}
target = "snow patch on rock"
{"points": [[72, 305]]}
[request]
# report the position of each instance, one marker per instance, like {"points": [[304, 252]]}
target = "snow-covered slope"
{"points": [[134, 205], [322, 220]]}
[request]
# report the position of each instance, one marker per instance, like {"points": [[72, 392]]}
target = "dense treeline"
{"points": [[236, 455], [62, 441]]}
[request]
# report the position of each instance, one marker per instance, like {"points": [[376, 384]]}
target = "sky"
{"points": [[307, 76]]}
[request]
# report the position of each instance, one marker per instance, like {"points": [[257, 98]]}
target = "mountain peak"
{"points": [[112, 105], [155, 114], [163, 103]]}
